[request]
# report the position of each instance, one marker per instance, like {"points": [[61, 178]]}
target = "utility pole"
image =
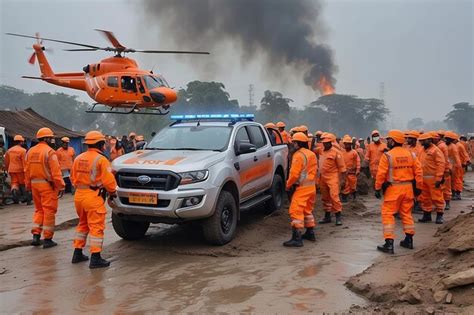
{"points": [[251, 95]]}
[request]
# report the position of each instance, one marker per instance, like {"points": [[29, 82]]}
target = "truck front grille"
{"points": [[159, 180]]}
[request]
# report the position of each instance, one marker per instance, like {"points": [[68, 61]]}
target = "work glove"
{"points": [[113, 195], [439, 183], [378, 194]]}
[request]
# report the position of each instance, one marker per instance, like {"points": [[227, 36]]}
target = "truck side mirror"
{"points": [[244, 148]]}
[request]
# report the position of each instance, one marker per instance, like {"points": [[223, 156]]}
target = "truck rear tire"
{"points": [[220, 228], [129, 230], [277, 191]]}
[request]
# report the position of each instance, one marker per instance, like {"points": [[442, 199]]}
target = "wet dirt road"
{"points": [[173, 270]]}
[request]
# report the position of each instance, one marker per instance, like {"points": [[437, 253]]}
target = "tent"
{"points": [[27, 122]]}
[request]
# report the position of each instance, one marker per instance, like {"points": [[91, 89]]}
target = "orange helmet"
{"points": [[281, 124], [310, 135], [347, 139], [92, 137], [412, 134], [132, 134], [396, 135], [65, 139], [318, 133], [299, 136], [327, 137], [304, 128], [270, 125], [451, 135], [426, 135], [18, 138], [441, 132], [44, 132], [374, 132]]}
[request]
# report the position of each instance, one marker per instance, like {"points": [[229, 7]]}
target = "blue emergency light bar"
{"points": [[212, 116]]}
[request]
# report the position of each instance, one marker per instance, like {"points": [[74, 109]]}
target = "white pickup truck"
{"points": [[201, 167]]}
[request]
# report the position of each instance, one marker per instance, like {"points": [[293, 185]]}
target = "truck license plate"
{"points": [[141, 198]]}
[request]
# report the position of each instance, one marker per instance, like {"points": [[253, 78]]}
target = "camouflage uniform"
{"points": [[3, 176]]}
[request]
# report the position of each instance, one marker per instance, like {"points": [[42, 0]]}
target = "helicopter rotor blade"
{"points": [[54, 40], [84, 49], [170, 52], [112, 39]]}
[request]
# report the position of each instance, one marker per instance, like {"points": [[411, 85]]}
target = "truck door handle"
{"points": [[255, 159], [269, 154], [237, 166]]}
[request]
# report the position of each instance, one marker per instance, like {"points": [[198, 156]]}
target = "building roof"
{"points": [[27, 122]]}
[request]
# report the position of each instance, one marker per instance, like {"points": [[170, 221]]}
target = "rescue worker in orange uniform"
{"points": [[302, 178], [66, 155], [15, 166], [352, 161], [331, 169], [374, 152], [44, 180], [412, 143], [446, 185], [273, 133], [454, 157], [284, 134], [92, 177], [433, 165], [465, 160], [397, 171]]}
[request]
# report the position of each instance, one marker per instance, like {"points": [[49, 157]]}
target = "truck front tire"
{"points": [[129, 230], [219, 229]]}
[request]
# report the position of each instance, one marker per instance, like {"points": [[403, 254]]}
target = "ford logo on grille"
{"points": [[144, 179]]}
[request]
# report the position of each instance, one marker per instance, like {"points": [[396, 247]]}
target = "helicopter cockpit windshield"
{"points": [[152, 82]]}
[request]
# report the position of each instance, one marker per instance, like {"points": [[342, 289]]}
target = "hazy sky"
{"points": [[421, 50]]}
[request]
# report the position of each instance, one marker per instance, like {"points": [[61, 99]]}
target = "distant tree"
{"points": [[415, 124], [274, 105], [435, 125], [350, 114], [207, 97], [461, 118]]}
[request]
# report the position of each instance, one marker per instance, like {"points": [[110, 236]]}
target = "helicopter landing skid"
{"points": [[125, 111]]}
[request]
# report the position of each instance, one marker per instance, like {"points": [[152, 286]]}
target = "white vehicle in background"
{"points": [[206, 168]]}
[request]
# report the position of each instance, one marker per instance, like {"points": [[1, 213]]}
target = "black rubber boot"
{"points": [[36, 240], [295, 241], [439, 218], [16, 196], [338, 218], [426, 217], [458, 195], [344, 198], [98, 262], [407, 242], [326, 219], [48, 243], [309, 235], [448, 206], [78, 256], [354, 195], [387, 247]]}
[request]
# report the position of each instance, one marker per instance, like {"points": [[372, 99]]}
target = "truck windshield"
{"points": [[214, 138]]}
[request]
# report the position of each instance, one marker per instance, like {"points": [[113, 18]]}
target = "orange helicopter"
{"points": [[115, 82]]}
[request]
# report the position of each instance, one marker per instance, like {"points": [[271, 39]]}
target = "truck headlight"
{"points": [[193, 177]]}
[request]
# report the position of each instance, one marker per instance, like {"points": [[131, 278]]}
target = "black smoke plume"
{"points": [[287, 32]]}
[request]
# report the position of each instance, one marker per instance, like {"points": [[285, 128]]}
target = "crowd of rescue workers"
{"points": [[411, 170]]}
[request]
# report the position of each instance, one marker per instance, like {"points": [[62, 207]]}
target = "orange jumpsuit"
{"points": [[304, 166], [456, 178], [373, 155], [352, 161], [433, 165], [115, 153], [43, 177], [66, 158], [399, 167], [285, 136], [447, 171], [331, 164], [90, 172], [15, 165]]}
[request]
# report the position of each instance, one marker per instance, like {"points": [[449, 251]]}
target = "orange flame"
{"points": [[325, 87]]}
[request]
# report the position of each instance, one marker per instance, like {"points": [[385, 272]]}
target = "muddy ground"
{"points": [[173, 270]]}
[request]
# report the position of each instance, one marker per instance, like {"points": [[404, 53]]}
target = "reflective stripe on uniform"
{"points": [[36, 225], [81, 236], [38, 180], [48, 228], [45, 166], [96, 241], [309, 218], [390, 167], [94, 168], [389, 228], [304, 173]]}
